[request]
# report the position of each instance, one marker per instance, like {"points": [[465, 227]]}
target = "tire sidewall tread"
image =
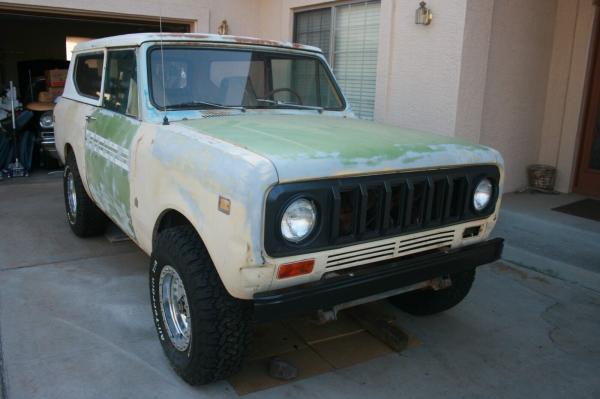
{"points": [[222, 326]]}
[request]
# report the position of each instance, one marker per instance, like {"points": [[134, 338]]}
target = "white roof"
{"points": [[136, 39]]}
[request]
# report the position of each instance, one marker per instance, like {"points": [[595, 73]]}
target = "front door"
{"points": [[588, 171], [109, 134]]}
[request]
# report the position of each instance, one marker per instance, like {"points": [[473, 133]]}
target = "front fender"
{"points": [[176, 168]]}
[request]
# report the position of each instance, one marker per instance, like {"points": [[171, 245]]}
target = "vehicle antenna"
{"points": [[162, 62]]}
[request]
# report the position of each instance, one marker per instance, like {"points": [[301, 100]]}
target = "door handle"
{"points": [[89, 118]]}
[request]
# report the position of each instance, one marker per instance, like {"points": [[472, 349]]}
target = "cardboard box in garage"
{"points": [[56, 77]]}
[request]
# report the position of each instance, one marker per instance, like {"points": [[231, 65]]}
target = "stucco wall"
{"points": [[517, 78], [418, 83], [566, 89], [474, 66]]}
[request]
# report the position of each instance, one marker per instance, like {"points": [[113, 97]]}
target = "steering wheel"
{"points": [[275, 91]]}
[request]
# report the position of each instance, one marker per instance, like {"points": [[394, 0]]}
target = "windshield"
{"points": [[200, 78]]}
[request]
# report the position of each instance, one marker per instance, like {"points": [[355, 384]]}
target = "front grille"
{"points": [[369, 208], [407, 205]]}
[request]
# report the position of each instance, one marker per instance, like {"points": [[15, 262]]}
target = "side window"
{"points": [[88, 74], [120, 85]]}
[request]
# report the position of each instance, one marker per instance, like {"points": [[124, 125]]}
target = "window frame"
{"points": [[333, 9], [84, 97], [137, 73], [316, 56]]}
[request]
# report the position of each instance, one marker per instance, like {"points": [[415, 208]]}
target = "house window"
{"points": [[348, 35]]}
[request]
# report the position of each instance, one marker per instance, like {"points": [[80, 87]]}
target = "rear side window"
{"points": [[88, 74], [120, 86]]}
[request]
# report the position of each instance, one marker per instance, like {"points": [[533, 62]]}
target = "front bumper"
{"points": [[47, 143], [372, 280]]}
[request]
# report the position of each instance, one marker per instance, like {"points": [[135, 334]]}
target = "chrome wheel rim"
{"points": [[175, 308], [71, 197]]}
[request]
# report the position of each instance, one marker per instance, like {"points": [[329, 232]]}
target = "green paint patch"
{"points": [[114, 127], [318, 137], [109, 181]]}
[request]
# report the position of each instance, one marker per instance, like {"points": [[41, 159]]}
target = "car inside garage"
{"points": [[35, 49]]}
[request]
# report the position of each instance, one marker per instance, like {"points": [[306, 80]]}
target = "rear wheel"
{"points": [[427, 301], [84, 217], [203, 330]]}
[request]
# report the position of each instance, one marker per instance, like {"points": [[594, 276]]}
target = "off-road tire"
{"points": [[88, 220], [427, 301], [222, 326]]}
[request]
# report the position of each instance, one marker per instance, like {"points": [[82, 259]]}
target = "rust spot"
{"points": [[249, 257]]}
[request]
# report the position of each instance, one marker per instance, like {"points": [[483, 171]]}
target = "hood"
{"points": [[303, 147]]}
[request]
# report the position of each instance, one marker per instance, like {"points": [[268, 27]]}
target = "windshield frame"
{"points": [[245, 48]]}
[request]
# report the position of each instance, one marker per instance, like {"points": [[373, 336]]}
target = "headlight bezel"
{"points": [[492, 195], [314, 228]]}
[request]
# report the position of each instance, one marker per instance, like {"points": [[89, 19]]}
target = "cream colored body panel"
{"points": [[69, 129], [174, 168], [186, 169]]}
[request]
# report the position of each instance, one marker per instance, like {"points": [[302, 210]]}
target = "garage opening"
{"points": [[34, 55]]}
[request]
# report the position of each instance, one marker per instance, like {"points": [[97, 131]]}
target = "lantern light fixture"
{"points": [[423, 15]]}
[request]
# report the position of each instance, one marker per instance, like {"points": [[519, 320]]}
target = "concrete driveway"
{"points": [[75, 322]]}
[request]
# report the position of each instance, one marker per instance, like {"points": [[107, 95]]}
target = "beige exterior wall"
{"points": [[566, 88], [517, 77]]}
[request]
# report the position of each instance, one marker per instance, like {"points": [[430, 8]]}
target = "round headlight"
{"points": [[483, 195], [298, 220], [46, 120]]}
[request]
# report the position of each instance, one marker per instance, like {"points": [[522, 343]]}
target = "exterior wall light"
{"points": [[423, 16], [223, 29]]}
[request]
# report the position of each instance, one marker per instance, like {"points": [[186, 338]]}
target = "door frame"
{"points": [[591, 108]]}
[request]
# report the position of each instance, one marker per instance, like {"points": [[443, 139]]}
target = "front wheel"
{"points": [[203, 330], [427, 301]]}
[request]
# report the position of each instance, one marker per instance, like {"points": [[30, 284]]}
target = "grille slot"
{"points": [[371, 254], [425, 243]]}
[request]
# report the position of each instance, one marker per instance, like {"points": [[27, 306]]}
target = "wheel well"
{"points": [[167, 219], [68, 150]]}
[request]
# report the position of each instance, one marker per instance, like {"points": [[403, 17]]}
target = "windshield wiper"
{"points": [[292, 105], [195, 104]]}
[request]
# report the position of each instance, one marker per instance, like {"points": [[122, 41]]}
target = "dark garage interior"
{"points": [[33, 57]]}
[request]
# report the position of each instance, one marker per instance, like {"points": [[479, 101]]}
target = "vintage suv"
{"points": [[238, 165]]}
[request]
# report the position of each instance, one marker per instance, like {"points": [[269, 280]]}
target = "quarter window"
{"points": [[88, 74], [120, 86]]}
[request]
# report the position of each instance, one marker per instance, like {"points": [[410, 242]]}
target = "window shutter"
{"points": [[355, 54]]}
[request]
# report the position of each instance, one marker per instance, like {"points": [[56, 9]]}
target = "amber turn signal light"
{"points": [[294, 269]]}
